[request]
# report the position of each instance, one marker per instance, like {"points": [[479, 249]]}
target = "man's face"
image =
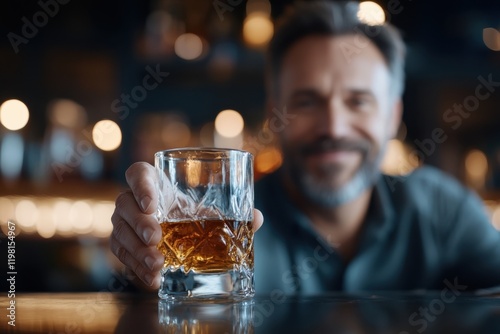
{"points": [[343, 115]]}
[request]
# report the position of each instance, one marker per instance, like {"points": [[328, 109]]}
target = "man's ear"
{"points": [[396, 117]]}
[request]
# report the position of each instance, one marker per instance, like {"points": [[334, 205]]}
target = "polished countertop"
{"points": [[445, 311]]}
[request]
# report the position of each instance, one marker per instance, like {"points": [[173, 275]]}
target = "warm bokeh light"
{"points": [[258, 29], [207, 134], [67, 113], [60, 214], [26, 214], [176, 134], [46, 228], [107, 135], [476, 163], [397, 159], [45, 215], [56, 216], [228, 142], [188, 46], [268, 160], [476, 168], [102, 226], [229, 123], [14, 114], [259, 6], [371, 13], [81, 217], [6, 210], [491, 38]]}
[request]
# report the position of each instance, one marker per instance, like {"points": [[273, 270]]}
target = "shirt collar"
{"points": [[380, 214]]}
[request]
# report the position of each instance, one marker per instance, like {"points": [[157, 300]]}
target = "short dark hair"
{"points": [[334, 19]]}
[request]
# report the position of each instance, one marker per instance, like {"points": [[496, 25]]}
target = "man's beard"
{"points": [[318, 189]]}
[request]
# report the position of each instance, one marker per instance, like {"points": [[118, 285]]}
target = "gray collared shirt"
{"points": [[422, 231]]}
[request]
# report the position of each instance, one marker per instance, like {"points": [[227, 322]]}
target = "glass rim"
{"points": [[169, 154]]}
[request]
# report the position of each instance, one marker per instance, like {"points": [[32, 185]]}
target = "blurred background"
{"points": [[88, 87]]}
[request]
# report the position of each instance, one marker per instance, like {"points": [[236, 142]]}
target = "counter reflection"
{"points": [[206, 317]]}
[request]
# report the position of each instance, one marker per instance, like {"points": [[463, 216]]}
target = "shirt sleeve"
{"points": [[471, 246]]}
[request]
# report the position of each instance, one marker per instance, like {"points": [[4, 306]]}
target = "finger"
{"points": [[141, 178], [150, 278], [145, 226], [131, 276], [124, 235], [258, 220]]}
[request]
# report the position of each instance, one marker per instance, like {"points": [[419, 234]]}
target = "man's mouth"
{"points": [[334, 151], [332, 156]]}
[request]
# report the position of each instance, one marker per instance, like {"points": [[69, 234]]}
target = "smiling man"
{"points": [[333, 222]]}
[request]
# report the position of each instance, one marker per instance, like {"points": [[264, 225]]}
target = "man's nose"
{"points": [[336, 122]]}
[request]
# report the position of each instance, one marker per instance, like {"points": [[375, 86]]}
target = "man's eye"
{"points": [[358, 102], [304, 103]]}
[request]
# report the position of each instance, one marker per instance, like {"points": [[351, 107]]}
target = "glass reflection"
{"points": [[206, 317]]}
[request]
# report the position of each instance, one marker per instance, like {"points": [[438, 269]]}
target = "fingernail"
{"points": [[149, 279], [149, 262], [145, 202], [147, 234]]}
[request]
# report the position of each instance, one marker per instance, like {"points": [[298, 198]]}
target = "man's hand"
{"points": [[136, 232]]}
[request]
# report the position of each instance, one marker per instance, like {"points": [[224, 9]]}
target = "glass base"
{"points": [[206, 317], [231, 284]]}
